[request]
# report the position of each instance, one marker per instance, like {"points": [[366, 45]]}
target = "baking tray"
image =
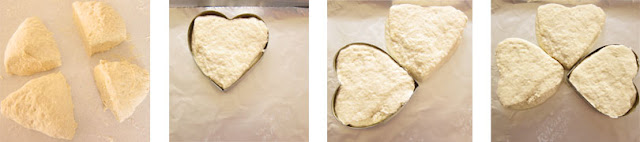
{"points": [[94, 124], [440, 108], [269, 103], [566, 116]]}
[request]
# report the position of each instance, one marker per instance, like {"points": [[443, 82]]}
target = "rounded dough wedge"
{"points": [[421, 39], [101, 27], [372, 86], [528, 76], [122, 86], [568, 33], [31, 49], [225, 49], [605, 79], [43, 104]]}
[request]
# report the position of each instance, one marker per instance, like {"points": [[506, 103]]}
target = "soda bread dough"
{"points": [[43, 104], [373, 86], [101, 27], [528, 76], [31, 49], [421, 39], [122, 86], [225, 49], [568, 33], [605, 79]]}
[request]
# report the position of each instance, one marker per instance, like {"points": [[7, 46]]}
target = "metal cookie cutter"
{"points": [[635, 103], [335, 94], [216, 13]]}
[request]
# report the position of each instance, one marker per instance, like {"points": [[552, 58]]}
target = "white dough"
{"points": [[31, 49], [122, 85], [101, 27]]}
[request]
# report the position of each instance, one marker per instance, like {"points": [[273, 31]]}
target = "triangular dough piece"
{"points": [[528, 76], [122, 85], [421, 39], [605, 79], [567, 34], [43, 104], [31, 49], [101, 27], [225, 49]]}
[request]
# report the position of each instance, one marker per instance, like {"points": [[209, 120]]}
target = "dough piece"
{"points": [[421, 39], [528, 76], [122, 85], [605, 79], [568, 33], [101, 27], [225, 49], [31, 49], [43, 104], [373, 86], [573, 2]]}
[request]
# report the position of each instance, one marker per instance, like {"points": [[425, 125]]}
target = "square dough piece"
{"points": [[101, 27], [31, 49], [122, 85]]}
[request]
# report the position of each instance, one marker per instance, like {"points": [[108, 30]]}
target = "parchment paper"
{"points": [[565, 116], [94, 124], [269, 103], [440, 109]]}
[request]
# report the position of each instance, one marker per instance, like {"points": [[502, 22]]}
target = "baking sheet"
{"points": [[269, 103], [94, 124], [565, 116], [440, 109]]}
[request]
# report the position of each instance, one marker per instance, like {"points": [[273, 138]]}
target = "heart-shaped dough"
{"points": [[225, 49], [605, 79], [43, 104], [568, 33], [421, 39], [373, 86], [528, 76], [31, 49]]}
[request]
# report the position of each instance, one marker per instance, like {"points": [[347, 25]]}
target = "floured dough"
{"points": [[574, 2], [225, 49], [373, 87], [421, 39], [568, 33], [605, 79], [31, 49], [528, 76], [101, 27], [43, 104], [122, 85]]}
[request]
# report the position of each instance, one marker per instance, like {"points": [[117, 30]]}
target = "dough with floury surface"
{"points": [[528, 76], [122, 86], [31, 49], [373, 86], [421, 39], [225, 49], [101, 27], [43, 104], [605, 79], [567, 34]]}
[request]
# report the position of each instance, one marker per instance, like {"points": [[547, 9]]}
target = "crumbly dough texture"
{"points": [[101, 27], [605, 79], [122, 86], [43, 104], [31, 49], [373, 87], [421, 39], [528, 76], [225, 49], [568, 33]]}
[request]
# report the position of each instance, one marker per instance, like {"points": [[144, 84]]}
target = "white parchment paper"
{"points": [[94, 124], [269, 103], [565, 116], [440, 109]]}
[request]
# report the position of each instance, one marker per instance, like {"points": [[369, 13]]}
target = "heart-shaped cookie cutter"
{"points": [[635, 103], [216, 13], [335, 94]]}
